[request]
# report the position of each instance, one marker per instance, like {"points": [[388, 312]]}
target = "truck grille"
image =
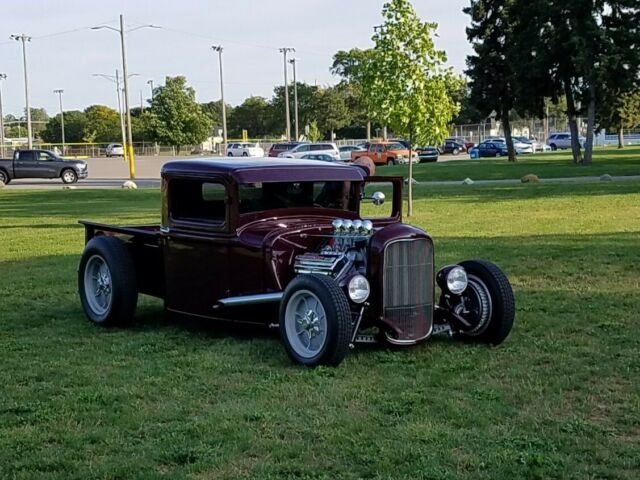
{"points": [[408, 288]]}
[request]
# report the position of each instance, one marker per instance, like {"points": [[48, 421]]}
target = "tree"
{"points": [[102, 124], [39, 119], [308, 105], [254, 115], [490, 69], [621, 112], [214, 111], [74, 127], [333, 112], [314, 132], [177, 119], [405, 82]]}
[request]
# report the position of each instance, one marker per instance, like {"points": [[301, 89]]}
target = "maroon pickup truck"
{"points": [[285, 243]]}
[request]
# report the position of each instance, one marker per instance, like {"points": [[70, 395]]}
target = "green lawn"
{"points": [[559, 399], [546, 165]]}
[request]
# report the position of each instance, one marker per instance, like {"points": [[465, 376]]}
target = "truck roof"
{"points": [[264, 169]]}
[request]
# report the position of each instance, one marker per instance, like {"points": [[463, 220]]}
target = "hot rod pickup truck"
{"points": [[287, 243]]}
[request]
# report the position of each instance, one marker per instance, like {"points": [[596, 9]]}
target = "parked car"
{"points": [[386, 153], [493, 148], [562, 141], [304, 148], [453, 147], [323, 157], [285, 243], [114, 150], [520, 144], [345, 151], [427, 154], [244, 149], [467, 143], [41, 164], [278, 148]]}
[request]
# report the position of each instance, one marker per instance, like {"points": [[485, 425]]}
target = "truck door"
{"points": [[195, 245], [48, 166], [25, 164]]}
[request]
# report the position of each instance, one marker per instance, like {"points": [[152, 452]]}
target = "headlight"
{"points": [[357, 226], [337, 225], [347, 226], [457, 280], [358, 289], [367, 226]]}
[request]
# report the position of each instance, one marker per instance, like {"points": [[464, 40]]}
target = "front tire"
{"points": [[69, 176], [107, 282], [315, 321], [245, 154], [456, 151], [489, 304], [391, 162]]}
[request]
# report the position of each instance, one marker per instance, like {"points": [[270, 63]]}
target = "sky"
{"points": [[64, 52]]}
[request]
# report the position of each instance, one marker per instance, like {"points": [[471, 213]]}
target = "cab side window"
{"points": [[44, 157], [201, 201]]}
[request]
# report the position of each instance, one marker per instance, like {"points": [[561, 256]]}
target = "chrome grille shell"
{"points": [[408, 289]]}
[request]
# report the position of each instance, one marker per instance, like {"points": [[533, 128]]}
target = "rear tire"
{"points": [[245, 154], [69, 176], [4, 178], [391, 162], [456, 151], [107, 282], [315, 321], [553, 147], [490, 292]]}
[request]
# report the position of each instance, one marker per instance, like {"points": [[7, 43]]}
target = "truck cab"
{"points": [[297, 244]]}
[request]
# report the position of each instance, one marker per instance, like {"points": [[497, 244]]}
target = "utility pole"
{"points": [[141, 103], [60, 92], [122, 31], [218, 48], [295, 96], [3, 76], [284, 52], [24, 39]]}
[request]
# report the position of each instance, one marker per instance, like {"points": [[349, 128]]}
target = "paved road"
{"points": [[112, 172]]}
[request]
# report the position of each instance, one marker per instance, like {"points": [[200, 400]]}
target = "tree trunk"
{"points": [[506, 126], [591, 118], [368, 131], [621, 137], [572, 117]]}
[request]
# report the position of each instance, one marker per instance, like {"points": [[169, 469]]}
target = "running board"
{"points": [[249, 300]]}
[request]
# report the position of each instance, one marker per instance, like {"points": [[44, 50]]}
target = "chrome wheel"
{"points": [[3, 177], [475, 306], [305, 324], [98, 285], [69, 176]]}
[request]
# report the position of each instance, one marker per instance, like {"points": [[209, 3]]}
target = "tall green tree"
{"points": [[333, 112], [177, 119], [490, 69], [308, 106], [75, 123], [406, 82], [102, 124], [39, 119], [620, 112]]}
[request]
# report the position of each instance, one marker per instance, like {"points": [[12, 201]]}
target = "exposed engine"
{"points": [[346, 248]]}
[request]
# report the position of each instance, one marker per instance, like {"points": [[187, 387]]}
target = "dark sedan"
{"points": [[492, 148], [453, 147], [427, 154]]}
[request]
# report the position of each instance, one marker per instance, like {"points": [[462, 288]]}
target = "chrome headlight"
{"points": [[457, 280], [367, 226], [358, 289], [347, 226], [337, 225], [357, 226]]}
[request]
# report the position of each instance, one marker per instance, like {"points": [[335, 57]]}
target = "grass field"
{"points": [[546, 165], [560, 399]]}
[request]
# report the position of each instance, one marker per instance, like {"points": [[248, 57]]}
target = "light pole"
{"points": [[150, 83], [24, 39], [60, 92], [295, 96], [284, 52], [3, 76], [122, 31], [218, 48], [116, 78]]}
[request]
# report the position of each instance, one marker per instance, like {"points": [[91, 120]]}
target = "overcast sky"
{"points": [[64, 52]]}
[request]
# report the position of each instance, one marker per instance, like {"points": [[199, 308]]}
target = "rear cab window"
{"points": [[201, 202]]}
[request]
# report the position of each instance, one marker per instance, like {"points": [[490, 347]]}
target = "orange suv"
{"points": [[386, 153]]}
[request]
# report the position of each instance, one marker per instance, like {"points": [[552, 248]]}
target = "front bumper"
{"points": [[82, 174]]}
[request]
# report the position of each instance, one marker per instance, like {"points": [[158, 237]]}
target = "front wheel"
{"points": [[391, 162], [69, 176], [315, 321], [107, 282], [488, 304], [245, 154], [456, 151]]}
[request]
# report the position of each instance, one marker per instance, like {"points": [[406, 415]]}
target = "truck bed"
{"points": [[145, 246]]}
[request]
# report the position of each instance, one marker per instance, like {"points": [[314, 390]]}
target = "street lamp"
{"points": [[3, 76], [218, 48], [116, 78], [24, 39], [122, 31], [295, 95], [284, 52], [60, 92]]}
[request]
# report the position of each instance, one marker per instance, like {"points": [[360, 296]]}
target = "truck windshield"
{"points": [[258, 197]]}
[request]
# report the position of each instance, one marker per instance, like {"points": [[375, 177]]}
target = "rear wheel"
{"points": [[245, 154], [554, 147], [456, 151], [488, 304], [229, 154], [498, 154], [315, 321], [4, 178], [391, 162], [107, 282], [69, 176]]}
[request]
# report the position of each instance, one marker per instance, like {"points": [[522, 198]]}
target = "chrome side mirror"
{"points": [[378, 198]]}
